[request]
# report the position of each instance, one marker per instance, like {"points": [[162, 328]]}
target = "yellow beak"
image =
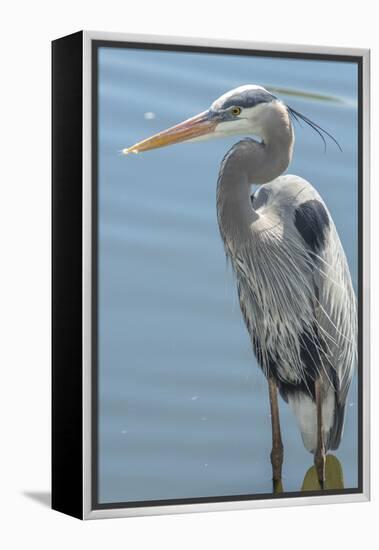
{"points": [[191, 128]]}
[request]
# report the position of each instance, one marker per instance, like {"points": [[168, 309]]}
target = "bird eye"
{"points": [[236, 111]]}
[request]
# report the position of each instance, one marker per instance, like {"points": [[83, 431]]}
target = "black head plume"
{"points": [[296, 116]]}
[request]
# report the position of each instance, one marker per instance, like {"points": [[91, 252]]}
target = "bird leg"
{"points": [[277, 445], [319, 457]]}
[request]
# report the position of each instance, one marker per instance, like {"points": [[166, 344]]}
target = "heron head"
{"points": [[245, 110]]}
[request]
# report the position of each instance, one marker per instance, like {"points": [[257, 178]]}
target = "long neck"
{"points": [[250, 162]]}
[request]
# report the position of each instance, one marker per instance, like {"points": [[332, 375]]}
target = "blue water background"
{"points": [[183, 408]]}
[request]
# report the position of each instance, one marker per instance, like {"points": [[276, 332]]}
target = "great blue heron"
{"points": [[293, 281]]}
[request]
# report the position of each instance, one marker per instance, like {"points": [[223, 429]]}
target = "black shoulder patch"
{"points": [[312, 222]]}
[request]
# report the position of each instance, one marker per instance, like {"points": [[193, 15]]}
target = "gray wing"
{"points": [[335, 302]]}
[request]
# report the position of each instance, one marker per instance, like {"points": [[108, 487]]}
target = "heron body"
{"points": [[293, 301], [293, 280]]}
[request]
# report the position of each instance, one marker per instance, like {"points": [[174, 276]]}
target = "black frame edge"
{"points": [[67, 401]]}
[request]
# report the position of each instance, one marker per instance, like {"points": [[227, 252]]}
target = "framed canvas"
{"points": [[210, 296]]}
